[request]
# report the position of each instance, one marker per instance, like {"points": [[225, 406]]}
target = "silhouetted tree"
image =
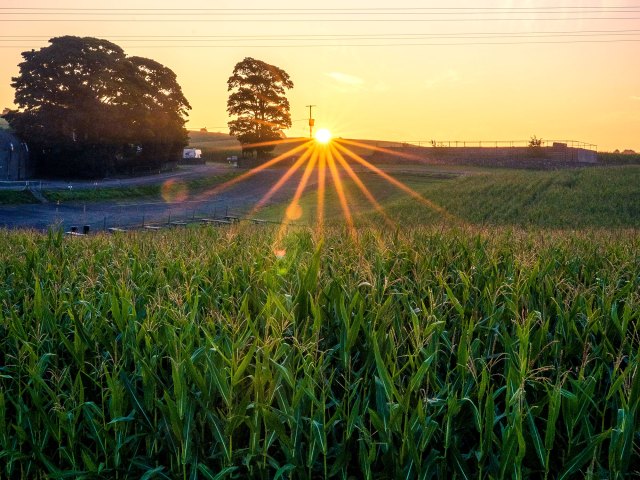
{"points": [[259, 103], [85, 108], [161, 109], [535, 147], [535, 142]]}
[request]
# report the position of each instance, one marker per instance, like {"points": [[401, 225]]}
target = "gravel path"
{"points": [[238, 199]]}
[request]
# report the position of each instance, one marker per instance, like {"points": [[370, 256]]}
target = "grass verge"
{"points": [[14, 197], [140, 191]]}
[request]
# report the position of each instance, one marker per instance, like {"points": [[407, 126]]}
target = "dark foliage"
{"points": [[259, 103], [87, 109]]}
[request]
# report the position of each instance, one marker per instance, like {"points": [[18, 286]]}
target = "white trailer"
{"points": [[189, 153]]}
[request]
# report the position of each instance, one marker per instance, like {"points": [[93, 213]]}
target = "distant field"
{"points": [[576, 198], [212, 140], [589, 197]]}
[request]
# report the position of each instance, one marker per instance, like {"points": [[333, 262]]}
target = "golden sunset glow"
{"points": [[338, 157], [417, 71], [323, 136]]}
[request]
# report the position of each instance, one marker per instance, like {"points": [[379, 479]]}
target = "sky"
{"points": [[403, 71]]}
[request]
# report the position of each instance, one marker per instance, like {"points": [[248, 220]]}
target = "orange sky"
{"points": [[582, 83]]}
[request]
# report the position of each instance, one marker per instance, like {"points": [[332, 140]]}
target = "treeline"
{"points": [[87, 109]]}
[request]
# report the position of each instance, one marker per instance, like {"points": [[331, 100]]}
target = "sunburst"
{"points": [[323, 136], [329, 158]]}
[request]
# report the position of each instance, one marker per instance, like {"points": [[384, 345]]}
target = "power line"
{"points": [[326, 13], [347, 9], [462, 35], [312, 14], [314, 20], [331, 42], [368, 44], [176, 41]]}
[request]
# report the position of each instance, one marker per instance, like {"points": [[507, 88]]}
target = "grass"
{"points": [[138, 191], [101, 194], [16, 197], [427, 352]]}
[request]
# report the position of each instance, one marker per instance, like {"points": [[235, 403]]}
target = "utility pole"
{"points": [[311, 120]]}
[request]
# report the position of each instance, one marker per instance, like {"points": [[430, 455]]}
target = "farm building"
{"points": [[14, 158]]}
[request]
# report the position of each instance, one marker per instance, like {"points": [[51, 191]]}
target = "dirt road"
{"points": [[238, 199]]}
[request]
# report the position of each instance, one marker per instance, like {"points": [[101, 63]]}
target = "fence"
{"points": [[487, 143], [152, 216], [20, 185]]}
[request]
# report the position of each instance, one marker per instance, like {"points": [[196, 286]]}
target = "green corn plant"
{"points": [[422, 352]]}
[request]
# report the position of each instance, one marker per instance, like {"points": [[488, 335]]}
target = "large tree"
{"points": [[85, 108], [259, 103]]}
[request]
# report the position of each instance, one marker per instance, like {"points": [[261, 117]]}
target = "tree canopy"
{"points": [[86, 108], [258, 101]]}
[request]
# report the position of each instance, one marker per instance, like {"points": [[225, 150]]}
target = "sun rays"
{"points": [[325, 163]]}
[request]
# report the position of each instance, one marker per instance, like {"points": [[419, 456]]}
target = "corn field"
{"points": [[424, 353]]}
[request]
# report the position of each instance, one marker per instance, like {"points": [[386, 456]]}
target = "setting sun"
{"points": [[323, 136]]}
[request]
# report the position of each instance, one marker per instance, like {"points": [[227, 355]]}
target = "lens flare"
{"points": [[331, 160], [294, 211], [323, 136], [174, 191]]}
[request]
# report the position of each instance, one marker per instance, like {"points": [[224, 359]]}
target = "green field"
{"points": [[215, 146], [587, 197], [565, 199], [499, 341]]}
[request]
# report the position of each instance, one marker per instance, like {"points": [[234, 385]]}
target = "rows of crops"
{"points": [[573, 198], [427, 353]]}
